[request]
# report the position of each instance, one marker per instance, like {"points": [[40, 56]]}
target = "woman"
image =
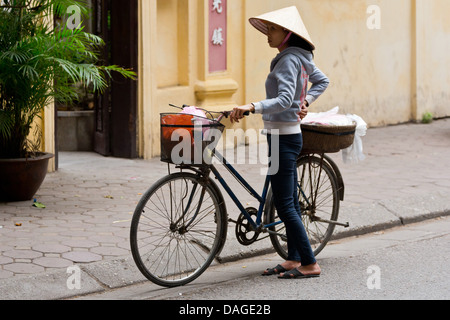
{"points": [[286, 104]]}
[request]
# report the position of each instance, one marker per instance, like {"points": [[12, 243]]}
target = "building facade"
{"points": [[387, 62]]}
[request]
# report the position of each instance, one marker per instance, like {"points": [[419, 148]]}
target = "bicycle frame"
{"points": [[178, 228], [261, 198]]}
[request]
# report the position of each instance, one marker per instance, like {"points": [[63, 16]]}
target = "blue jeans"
{"points": [[284, 188]]}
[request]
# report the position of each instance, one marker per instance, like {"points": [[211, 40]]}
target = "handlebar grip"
{"points": [[226, 114]]}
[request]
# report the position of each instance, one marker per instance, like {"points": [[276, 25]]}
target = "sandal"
{"points": [[296, 274], [277, 270]]}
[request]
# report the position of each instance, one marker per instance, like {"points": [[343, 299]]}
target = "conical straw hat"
{"points": [[287, 18]]}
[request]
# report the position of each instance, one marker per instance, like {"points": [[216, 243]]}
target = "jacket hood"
{"points": [[305, 56]]}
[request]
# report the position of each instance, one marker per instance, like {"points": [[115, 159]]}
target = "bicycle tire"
{"points": [[318, 181], [171, 248]]}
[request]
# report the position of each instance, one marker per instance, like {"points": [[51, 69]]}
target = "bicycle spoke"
{"points": [[177, 230], [318, 199]]}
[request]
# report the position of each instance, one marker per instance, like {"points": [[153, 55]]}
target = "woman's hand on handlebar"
{"points": [[239, 113]]}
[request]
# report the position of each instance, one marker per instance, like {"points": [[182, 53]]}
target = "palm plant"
{"points": [[40, 63]]}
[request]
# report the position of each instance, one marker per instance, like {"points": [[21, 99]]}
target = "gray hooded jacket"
{"points": [[286, 89]]}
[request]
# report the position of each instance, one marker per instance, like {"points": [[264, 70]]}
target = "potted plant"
{"points": [[39, 65]]}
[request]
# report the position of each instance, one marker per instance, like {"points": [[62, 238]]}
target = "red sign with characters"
{"points": [[217, 35]]}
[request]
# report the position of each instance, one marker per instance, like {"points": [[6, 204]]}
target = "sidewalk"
{"points": [[90, 200]]}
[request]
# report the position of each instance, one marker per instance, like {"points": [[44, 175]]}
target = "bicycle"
{"points": [[180, 224]]}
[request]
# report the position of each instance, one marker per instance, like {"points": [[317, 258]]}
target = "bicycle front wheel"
{"points": [[318, 196], [178, 228]]}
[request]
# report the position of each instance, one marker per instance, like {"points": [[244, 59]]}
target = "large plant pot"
{"points": [[21, 178]]}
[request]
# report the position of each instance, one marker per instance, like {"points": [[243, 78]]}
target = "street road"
{"points": [[409, 262]]}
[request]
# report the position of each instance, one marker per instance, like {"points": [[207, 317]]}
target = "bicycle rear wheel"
{"points": [[319, 200], [178, 228]]}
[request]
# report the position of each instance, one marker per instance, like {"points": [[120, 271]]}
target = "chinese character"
{"points": [[217, 6], [217, 38]]}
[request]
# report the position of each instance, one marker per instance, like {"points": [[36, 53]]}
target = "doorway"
{"points": [[106, 123], [115, 134]]}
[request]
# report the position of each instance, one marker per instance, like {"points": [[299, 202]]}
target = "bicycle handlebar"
{"points": [[225, 114]]}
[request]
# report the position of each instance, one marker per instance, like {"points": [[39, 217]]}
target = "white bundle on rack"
{"points": [[354, 153]]}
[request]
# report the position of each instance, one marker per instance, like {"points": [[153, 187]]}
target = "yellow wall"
{"points": [[432, 45], [389, 75], [369, 70], [174, 64]]}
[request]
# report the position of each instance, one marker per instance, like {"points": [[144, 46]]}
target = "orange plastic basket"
{"points": [[185, 138]]}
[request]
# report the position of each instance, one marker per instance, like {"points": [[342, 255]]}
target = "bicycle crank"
{"points": [[245, 233]]}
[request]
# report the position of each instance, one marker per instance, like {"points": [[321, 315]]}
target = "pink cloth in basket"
{"points": [[200, 117]]}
